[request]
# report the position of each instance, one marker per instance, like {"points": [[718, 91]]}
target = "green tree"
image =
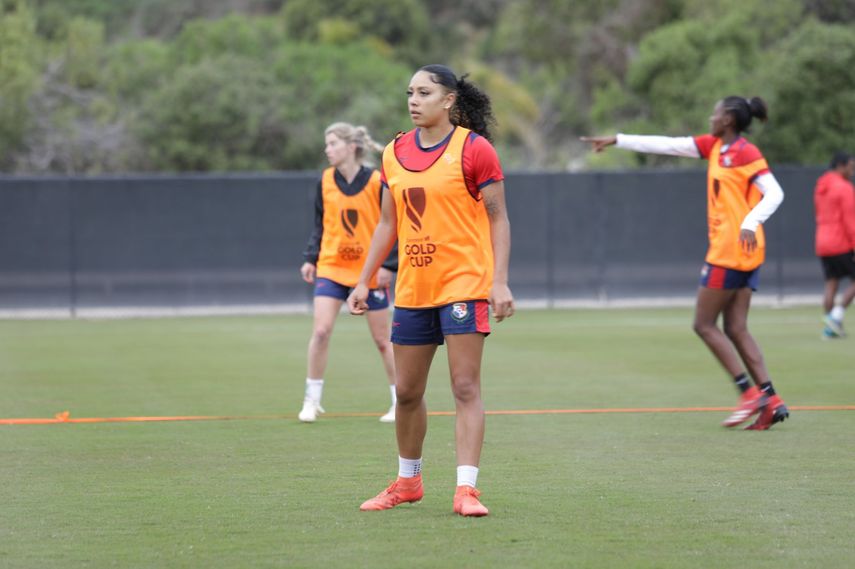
{"points": [[135, 68], [128, 19], [402, 24], [54, 15], [19, 75], [235, 112], [682, 69], [219, 114], [81, 91], [832, 11], [256, 38], [84, 51], [811, 81], [327, 83], [563, 53], [75, 125]]}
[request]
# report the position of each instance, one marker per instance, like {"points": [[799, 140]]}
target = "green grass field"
{"points": [[657, 490]]}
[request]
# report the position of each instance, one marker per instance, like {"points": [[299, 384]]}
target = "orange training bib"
{"points": [[730, 196], [349, 223], [444, 249]]}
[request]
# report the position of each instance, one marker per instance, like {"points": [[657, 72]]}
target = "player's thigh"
{"points": [[465, 352], [736, 311], [709, 303], [378, 324], [412, 365], [326, 309]]}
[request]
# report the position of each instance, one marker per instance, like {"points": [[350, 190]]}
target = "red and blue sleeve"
{"points": [[481, 165]]}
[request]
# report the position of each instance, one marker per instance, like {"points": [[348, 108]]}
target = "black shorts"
{"points": [[839, 266]]}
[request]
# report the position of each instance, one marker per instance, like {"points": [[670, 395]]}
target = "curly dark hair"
{"points": [[472, 108]]}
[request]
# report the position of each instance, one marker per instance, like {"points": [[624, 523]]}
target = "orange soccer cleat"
{"points": [[466, 502], [400, 491], [751, 402], [773, 412]]}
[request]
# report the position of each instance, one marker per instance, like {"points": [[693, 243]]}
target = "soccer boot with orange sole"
{"points": [[773, 412], [400, 491], [466, 502], [750, 402]]}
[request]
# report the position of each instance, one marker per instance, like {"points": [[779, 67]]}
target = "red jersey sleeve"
{"points": [[750, 156], [481, 165], [705, 143]]}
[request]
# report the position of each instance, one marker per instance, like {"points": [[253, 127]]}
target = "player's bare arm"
{"points": [[501, 298]]}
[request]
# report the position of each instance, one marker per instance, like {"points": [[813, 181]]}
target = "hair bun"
{"points": [[758, 108]]}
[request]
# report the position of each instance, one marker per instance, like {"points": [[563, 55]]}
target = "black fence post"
{"points": [[779, 258], [602, 233], [550, 243], [72, 249]]}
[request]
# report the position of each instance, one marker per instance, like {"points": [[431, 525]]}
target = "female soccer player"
{"points": [[347, 209], [446, 206], [741, 194]]}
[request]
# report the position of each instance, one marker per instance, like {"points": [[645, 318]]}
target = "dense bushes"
{"points": [[180, 85]]}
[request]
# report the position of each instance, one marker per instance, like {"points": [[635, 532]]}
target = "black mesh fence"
{"points": [[642, 235], [236, 240]]}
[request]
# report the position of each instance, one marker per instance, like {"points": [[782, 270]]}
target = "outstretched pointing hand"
{"points": [[599, 143]]}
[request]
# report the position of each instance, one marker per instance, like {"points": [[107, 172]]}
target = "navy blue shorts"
{"points": [[722, 278], [378, 298], [420, 326]]}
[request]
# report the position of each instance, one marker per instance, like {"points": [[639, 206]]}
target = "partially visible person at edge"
{"points": [[834, 203], [742, 193], [445, 204], [347, 209]]}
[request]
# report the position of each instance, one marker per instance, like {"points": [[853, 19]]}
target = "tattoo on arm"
{"points": [[492, 205]]}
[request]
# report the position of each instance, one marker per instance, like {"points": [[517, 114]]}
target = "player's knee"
{"points": [[407, 397], [735, 333], [383, 344], [321, 334], [703, 329], [465, 390]]}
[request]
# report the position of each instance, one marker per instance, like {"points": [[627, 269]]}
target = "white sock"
{"points": [[394, 395], [467, 475], [837, 313], [314, 389], [409, 467]]}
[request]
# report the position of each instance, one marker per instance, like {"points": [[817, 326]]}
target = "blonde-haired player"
{"points": [[347, 209]]}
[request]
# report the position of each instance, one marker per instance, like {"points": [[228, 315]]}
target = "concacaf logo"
{"points": [[414, 205], [349, 220]]}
